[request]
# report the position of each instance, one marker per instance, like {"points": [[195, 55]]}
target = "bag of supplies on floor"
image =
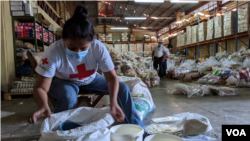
{"points": [[141, 95], [93, 121]]}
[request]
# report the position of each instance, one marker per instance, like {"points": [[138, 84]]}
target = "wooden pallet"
{"points": [[17, 96]]}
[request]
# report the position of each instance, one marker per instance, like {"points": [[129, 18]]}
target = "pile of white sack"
{"points": [[201, 90], [190, 126], [141, 95], [132, 65]]}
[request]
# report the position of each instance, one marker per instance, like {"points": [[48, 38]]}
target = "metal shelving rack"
{"points": [[237, 37], [32, 40], [131, 42]]}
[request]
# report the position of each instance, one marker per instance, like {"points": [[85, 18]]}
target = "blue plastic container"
{"points": [[68, 125]]}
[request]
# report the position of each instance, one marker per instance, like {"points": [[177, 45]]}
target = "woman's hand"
{"points": [[43, 111], [117, 112]]}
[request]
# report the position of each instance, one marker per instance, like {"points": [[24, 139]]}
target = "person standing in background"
{"points": [[158, 57], [169, 48]]}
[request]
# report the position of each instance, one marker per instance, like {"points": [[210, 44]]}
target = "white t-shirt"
{"points": [[159, 51], [55, 62], [167, 51]]}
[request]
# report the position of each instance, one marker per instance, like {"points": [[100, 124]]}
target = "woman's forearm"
{"points": [[113, 87], [40, 96]]}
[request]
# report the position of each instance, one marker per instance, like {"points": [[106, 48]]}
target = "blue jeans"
{"points": [[164, 67], [65, 92]]}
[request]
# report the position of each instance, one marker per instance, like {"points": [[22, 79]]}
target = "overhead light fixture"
{"points": [[154, 17], [154, 1], [135, 18], [119, 28], [234, 9], [144, 27], [183, 1]]}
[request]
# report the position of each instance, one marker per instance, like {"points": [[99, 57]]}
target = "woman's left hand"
{"points": [[117, 112]]}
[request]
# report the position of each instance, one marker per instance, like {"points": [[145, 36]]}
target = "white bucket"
{"points": [[163, 137], [127, 132]]}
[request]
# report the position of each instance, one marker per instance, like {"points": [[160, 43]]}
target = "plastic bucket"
{"points": [[163, 137], [127, 132]]}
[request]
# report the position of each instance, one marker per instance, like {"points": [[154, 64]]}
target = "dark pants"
{"points": [[164, 67], [158, 61]]}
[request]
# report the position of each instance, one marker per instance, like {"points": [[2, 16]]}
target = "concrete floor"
{"points": [[219, 110]]}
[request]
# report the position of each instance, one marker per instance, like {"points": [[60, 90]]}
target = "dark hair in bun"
{"points": [[78, 27]]}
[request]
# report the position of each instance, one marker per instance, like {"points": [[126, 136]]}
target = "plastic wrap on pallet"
{"points": [[194, 34], [132, 47], [229, 23], [202, 31], [210, 29], [178, 37], [153, 45], [243, 18], [118, 47], [125, 47], [147, 47], [139, 47], [182, 39], [189, 35], [218, 27]]}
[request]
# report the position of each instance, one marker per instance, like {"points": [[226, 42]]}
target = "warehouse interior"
{"points": [[197, 84]]}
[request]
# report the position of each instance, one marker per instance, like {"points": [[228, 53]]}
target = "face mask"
{"points": [[76, 55]]}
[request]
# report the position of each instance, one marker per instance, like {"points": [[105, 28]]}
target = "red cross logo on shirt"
{"points": [[82, 72], [45, 61]]}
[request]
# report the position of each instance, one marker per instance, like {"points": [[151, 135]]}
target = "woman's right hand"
{"points": [[43, 111]]}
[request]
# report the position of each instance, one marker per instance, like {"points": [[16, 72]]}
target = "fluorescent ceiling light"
{"points": [[144, 27], [135, 18], [119, 28], [179, 1], [154, 17], [154, 1]]}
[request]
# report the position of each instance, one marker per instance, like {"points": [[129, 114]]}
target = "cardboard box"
{"points": [[200, 60], [195, 75], [17, 8], [28, 9], [17, 13], [188, 77], [43, 20], [185, 77], [170, 74]]}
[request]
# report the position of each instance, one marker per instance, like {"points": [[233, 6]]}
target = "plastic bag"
{"points": [[202, 81], [141, 95], [212, 61], [246, 63], [154, 78], [171, 126], [206, 89], [202, 67], [170, 64], [188, 90], [243, 84], [231, 80], [196, 124], [199, 138], [244, 74], [94, 123], [223, 91], [118, 70]]}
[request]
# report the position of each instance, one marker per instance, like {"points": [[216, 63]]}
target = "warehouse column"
{"points": [[7, 65]]}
